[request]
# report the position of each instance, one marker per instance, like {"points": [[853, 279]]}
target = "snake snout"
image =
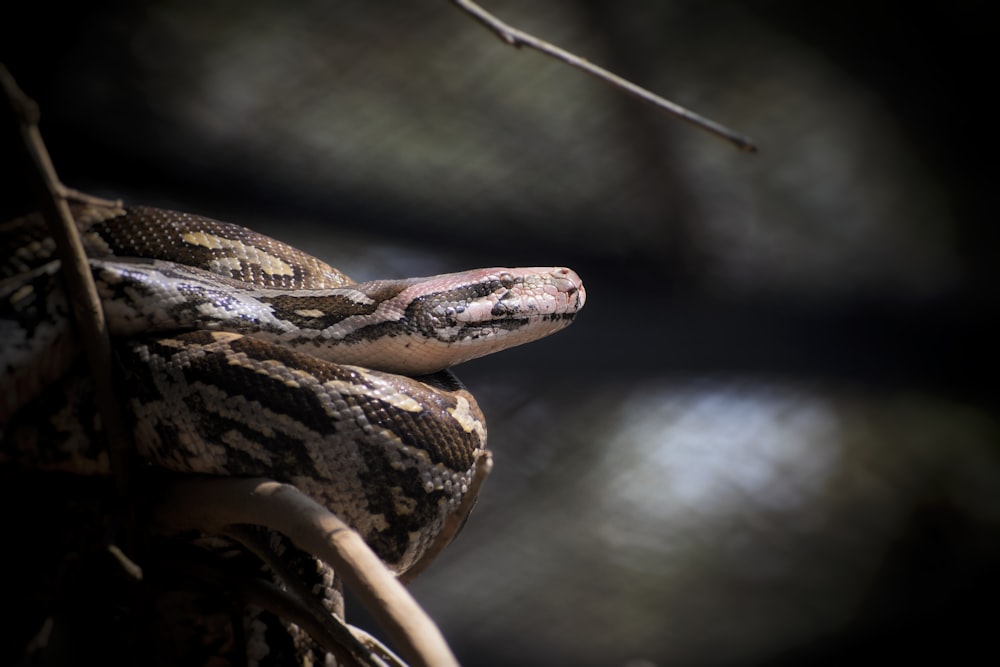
{"points": [[571, 284], [563, 288]]}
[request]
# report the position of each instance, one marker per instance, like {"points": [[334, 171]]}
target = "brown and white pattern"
{"points": [[245, 356]]}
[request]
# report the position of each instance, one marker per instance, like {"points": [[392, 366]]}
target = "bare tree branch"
{"points": [[286, 605], [78, 282], [518, 38], [328, 630], [213, 504]]}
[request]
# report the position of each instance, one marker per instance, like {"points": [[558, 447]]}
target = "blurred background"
{"points": [[771, 436]]}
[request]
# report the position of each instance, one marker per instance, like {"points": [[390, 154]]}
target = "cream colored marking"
{"points": [[95, 244], [310, 312], [21, 293], [269, 264], [209, 241], [238, 442], [378, 521], [227, 265], [462, 412], [225, 337], [255, 415], [390, 395], [403, 504], [271, 369]]}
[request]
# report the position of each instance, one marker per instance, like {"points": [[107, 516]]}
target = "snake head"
{"points": [[428, 324]]}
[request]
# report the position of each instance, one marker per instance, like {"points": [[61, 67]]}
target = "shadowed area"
{"points": [[770, 438]]}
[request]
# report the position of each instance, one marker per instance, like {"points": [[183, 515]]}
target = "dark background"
{"points": [[770, 438]]}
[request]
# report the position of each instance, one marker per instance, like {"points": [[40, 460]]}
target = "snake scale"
{"points": [[242, 355]]}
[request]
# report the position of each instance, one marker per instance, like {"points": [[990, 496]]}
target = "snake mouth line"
{"points": [[513, 323]]}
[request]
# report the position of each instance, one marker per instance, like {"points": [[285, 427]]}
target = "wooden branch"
{"points": [[518, 38], [328, 630], [377, 648], [78, 282], [266, 595], [214, 504]]}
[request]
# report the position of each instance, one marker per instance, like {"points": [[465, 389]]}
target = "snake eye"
{"points": [[506, 280]]}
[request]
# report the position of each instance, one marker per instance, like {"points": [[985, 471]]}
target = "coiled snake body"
{"points": [[245, 356]]}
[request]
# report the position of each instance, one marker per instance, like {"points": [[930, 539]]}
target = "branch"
{"points": [[78, 282], [326, 628], [518, 38], [259, 593], [213, 504]]}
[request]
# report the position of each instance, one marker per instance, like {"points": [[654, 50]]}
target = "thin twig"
{"points": [[259, 593], [129, 566], [376, 647], [78, 283], [333, 632], [70, 194], [518, 38], [213, 504]]}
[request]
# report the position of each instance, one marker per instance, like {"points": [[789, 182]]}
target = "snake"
{"points": [[240, 355]]}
